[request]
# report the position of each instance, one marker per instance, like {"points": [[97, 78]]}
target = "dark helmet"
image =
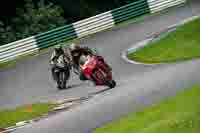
{"points": [[74, 46], [58, 49]]}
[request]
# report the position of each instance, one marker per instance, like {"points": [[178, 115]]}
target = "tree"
{"points": [[31, 20], [6, 34]]}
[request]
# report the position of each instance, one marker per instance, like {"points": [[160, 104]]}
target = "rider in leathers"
{"points": [[58, 51], [74, 53]]}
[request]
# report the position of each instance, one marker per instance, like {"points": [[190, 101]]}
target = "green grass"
{"points": [[27, 112], [179, 114], [182, 44]]}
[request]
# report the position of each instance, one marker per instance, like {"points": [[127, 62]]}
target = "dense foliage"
{"points": [[30, 20], [29, 17], [80, 9]]}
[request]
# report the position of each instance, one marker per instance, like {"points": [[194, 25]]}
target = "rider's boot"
{"points": [[82, 77], [53, 74], [59, 85]]}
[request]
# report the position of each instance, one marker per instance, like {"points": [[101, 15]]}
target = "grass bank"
{"points": [[179, 114], [181, 44], [26, 112]]}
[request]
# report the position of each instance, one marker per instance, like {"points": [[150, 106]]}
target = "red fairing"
{"points": [[91, 72]]}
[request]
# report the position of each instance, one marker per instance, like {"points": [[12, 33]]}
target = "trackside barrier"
{"points": [[83, 28]]}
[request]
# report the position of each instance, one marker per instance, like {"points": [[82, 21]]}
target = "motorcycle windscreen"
{"points": [[89, 64]]}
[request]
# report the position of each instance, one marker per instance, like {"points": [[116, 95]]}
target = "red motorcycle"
{"points": [[95, 69]]}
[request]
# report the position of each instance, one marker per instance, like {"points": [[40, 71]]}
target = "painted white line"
{"points": [[133, 49], [145, 42]]}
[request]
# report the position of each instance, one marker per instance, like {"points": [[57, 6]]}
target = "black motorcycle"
{"points": [[61, 72]]}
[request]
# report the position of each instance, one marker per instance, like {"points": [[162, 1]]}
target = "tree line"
{"points": [[24, 18]]}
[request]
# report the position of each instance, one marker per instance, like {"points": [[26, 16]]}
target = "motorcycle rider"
{"points": [[74, 52], [58, 51]]}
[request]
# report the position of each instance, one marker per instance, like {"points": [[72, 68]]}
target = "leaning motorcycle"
{"points": [[62, 72], [94, 68]]}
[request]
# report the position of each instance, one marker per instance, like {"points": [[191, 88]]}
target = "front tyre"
{"points": [[63, 78], [111, 84]]}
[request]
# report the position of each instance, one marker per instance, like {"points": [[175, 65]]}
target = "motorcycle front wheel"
{"points": [[63, 78], [111, 83]]}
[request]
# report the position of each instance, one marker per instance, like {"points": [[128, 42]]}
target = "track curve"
{"points": [[138, 85]]}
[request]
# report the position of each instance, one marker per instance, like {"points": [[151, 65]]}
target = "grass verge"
{"points": [[182, 44], [26, 112], [179, 114]]}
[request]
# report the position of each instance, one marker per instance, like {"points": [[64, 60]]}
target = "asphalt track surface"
{"points": [[138, 85]]}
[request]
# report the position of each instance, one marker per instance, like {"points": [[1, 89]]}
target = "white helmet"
{"points": [[74, 46]]}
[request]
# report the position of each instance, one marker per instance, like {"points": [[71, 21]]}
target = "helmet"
{"points": [[74, 46], [58, 48]]}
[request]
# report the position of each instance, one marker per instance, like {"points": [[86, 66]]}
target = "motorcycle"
{"points": [[94, 68], [62, 72]]}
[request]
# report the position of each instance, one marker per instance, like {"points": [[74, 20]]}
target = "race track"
{"points": [[138, 85]]}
